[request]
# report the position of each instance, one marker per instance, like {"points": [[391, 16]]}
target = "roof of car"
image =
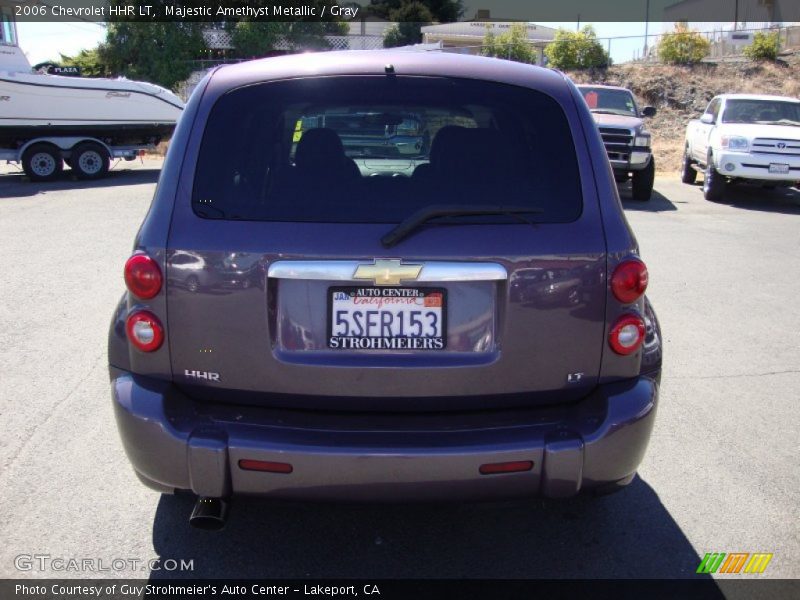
{"points": [[605, 87], [387, 62], [757, 97]]}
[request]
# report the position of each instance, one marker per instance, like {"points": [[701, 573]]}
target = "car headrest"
{"points": [[319, 149], [446, 138]]}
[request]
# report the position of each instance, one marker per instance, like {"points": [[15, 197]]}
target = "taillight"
{"points": [[142, 276], [627, 334], [144, 331], [629, 281]]}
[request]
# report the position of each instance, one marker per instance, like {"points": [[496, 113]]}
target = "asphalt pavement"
{"points": [[721, 473]]}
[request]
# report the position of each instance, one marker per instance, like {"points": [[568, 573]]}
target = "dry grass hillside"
{"points": [[682, 93]]}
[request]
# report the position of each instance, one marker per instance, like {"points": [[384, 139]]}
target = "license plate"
{"points": [[387, 318], [778, 168]]}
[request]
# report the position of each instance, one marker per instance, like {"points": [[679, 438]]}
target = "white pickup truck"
{"points": [[744, 137]]}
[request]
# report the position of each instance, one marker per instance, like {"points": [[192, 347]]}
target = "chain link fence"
{"points": [[724, 45]]}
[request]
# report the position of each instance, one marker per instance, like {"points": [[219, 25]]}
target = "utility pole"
{"points": [[646, 25], [578, 26], [736, 15]]}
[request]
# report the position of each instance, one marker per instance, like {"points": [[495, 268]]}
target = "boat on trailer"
{"points": [[59, 115]]}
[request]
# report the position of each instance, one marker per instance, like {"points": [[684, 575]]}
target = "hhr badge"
{"points": [[201, 375], [387, 272]]}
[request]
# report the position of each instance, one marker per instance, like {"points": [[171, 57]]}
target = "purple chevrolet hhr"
{"points": [[384, 275]]}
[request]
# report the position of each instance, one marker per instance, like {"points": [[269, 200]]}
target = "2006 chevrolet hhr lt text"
{"points": [[384, 275]]}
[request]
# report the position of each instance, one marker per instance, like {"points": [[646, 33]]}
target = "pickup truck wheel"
{"points": [[688, 174], [714, 183], [89, 161], [42, 162], [642, 181]]}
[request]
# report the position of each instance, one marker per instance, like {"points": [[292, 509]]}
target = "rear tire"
{"points": [[42, 162], [89, 161], [713, 182], [642, 181], [688, 174]]}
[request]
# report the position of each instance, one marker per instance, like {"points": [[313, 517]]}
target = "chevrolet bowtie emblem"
{"points": [[387, 272]]}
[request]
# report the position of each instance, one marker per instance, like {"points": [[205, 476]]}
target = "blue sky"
{"points": [[44, 41]]}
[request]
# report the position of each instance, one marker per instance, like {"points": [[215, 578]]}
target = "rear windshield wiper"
{"points": [[448, 210]]}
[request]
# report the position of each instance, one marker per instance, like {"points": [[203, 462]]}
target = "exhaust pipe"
{"points": [[210, 514]]}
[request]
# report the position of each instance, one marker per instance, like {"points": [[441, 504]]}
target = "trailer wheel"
{"points": [[89, 161], [42, 162]]}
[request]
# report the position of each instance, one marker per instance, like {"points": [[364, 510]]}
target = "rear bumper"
{"points": [[174, 442]]}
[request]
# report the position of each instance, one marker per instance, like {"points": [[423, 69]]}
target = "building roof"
{"points": [[478, 29]]}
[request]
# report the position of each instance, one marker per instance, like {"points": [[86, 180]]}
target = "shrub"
{"points": [[576, 50], [512, 44], [765, 46], [683, 46]]}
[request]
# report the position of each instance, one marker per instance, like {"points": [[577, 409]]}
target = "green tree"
{"points": [[576, 50], [89, 61], [304, 35], [511, 44], [159, 52], [765, 46], [683, 46], [253, 39], [409, 17]]}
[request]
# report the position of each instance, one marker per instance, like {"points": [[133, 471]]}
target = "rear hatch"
{"points": [[304, 272]]}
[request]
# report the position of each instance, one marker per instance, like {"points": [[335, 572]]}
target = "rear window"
{"points": [[375, 149]]}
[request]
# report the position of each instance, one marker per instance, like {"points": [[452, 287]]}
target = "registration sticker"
{"points": [[387, 318]]}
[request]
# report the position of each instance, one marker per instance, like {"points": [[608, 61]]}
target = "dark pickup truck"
{"points": [[626, 139]]}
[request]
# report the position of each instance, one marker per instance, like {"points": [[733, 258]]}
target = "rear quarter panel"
{"points": [[621, 243], [152, 239]]}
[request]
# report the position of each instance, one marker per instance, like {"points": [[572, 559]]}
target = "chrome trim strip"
{"points": [[343, 270], [456, 271]]}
